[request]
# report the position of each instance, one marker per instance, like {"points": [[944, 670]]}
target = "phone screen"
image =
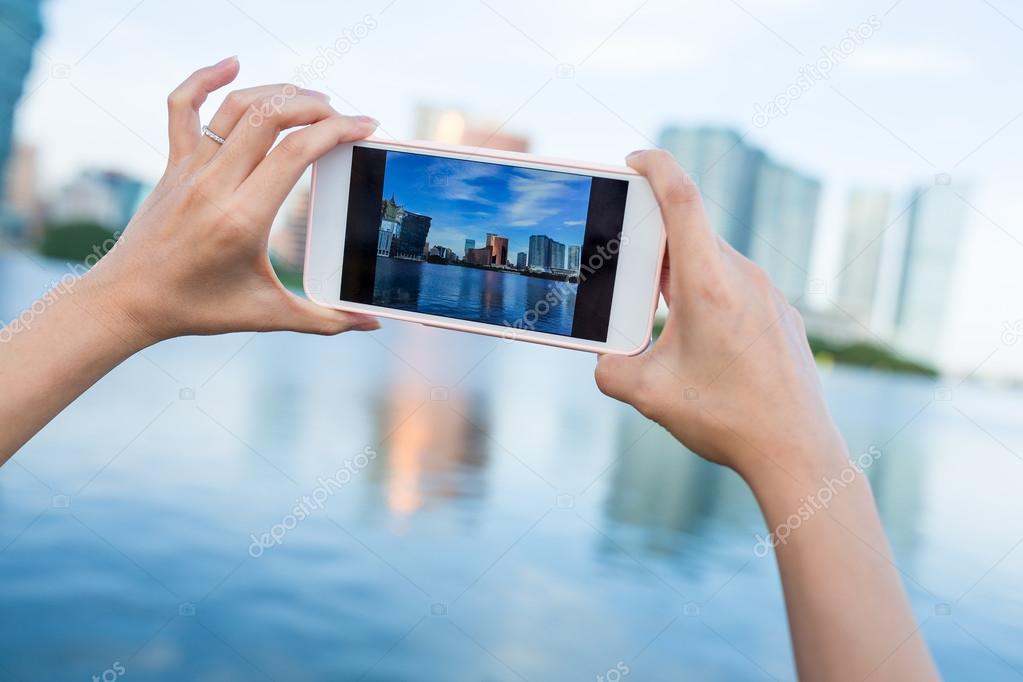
{"points": [[505, 245]]}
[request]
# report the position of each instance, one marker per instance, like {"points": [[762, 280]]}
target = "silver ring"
{"points": [[212, 135]]}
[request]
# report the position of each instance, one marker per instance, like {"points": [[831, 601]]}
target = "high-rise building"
{"points": [[545, 253], [412, 236], [765, 210], [934, 232], [129, 194], [451, 126], [107, 198], [386, 237], [402, 233], [289, 246], [498, 246], [83, 200], [22, 26], [867, 216], [480, 256], [557, 256], [574, 258], [725, 168], [539, 251], [470, 244], [22, 189], [784, 223], [442, 252], [391, 216], [521, 260]]}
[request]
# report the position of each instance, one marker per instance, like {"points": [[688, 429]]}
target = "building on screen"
{"points": [[557, 256], [498, 246], [545, 253], [480, 256], [389, 229], [574, 258], [402, 233]]}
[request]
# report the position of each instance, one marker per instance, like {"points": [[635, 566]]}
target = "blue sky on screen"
{"points": [[468, 199]]}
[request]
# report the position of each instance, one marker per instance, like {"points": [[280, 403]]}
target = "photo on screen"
{"points": [[486, 242]]}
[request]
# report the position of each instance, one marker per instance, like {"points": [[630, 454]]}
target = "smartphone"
{"points": [[486, 241]]}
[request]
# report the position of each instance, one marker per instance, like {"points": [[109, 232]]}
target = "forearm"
{"points": [[76, 339], [193, 259], [849, 615]]}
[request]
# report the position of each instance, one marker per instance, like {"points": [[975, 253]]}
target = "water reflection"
{"points": [[659, 486], [479, 442], [491, 292], [475, 294], [431, 447], [899, 481], [893, 439]]}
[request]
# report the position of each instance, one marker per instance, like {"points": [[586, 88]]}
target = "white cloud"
{"points": [[538, 195], [458, 181]]}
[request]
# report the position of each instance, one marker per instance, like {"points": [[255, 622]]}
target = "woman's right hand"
{"points": [[731, 376], [194, 258]]}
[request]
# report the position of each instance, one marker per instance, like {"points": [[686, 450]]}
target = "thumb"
{"points": [[308, 317], [618, 376]]}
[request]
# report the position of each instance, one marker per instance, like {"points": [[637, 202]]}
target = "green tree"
{"points": [[76, 240]]}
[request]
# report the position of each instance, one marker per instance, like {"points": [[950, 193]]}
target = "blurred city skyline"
{"points": [[593, 83]]}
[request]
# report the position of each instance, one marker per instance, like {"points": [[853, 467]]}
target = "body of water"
{"points": [[500, 298], [474, 510]]}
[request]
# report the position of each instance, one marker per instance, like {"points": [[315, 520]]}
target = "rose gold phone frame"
{"points": [[509, 333]]}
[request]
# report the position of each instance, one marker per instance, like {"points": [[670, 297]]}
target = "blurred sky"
{"points": [[934, 90]]}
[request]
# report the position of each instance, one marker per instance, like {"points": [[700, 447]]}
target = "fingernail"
{"points": [[314, 93], [367, 326], [635, 153], [369, 120], [226, 60]]}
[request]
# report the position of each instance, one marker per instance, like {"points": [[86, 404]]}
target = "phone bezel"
{"points": [[636, 290]]}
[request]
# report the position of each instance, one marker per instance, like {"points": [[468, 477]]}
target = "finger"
{"points": [[685, 221], [252, 138], [184, 102], [249, 102], [275, 176], [307, 317], [618, 376]]}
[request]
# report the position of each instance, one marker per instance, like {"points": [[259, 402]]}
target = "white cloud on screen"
{"points": [[537, 195], [458, 181]]}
